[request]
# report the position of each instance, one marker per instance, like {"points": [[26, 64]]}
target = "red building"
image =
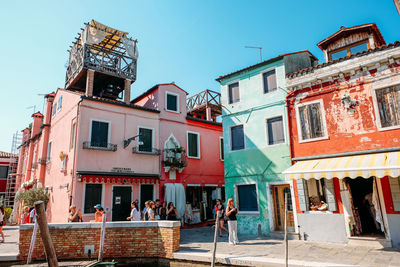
{"points": [[344, 124]]}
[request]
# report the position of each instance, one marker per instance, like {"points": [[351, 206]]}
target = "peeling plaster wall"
{"points": [[347, 131]]}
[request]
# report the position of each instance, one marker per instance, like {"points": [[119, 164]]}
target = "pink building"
{"points": [[94, 146], [192, 170]]}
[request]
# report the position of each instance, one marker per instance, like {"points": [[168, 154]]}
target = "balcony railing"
{"points": [[43, 161], [153, 151], [99, 146], [204, 98], [100, 59]]}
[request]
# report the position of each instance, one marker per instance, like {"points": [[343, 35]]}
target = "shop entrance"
{"points": [[122, 197], [278, 192], [146, 193], [365, 206]]}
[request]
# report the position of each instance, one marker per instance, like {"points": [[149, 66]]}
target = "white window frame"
{"points": [[376, 107], [220, 151], [59, 107], [177, 102], [84, 195], [236, 192], [227, 91], [266, 130], [48, 154], [198, 144], [73, 134], [90, 132], [262, 80], [152, 139], [323, 120], [230, 138], [54, 110]]}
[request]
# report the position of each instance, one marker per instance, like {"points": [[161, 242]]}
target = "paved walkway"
{"points": [[197, 243], [9, 249]]}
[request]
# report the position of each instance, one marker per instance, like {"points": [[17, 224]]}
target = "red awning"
{"points": [[117, 179]]}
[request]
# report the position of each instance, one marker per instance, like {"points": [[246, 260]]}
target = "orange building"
{"points": [[344, 125]]}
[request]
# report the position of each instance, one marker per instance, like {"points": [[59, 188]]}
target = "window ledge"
{"points": [[248, 213], [173, 111], [154, 151], [107, 147], [318, 212], [314, 139], [382, 129]]}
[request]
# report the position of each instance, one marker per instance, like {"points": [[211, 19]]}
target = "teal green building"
{"points": [[256, 143]]}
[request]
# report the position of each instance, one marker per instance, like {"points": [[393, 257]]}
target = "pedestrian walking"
{"points": [[25, 215], [163, 211], [2, 222], [231, 212], [74, 214], [98, 216], [135, 214], [32, 215], [171, 212], [151, 211], [221, 220]]}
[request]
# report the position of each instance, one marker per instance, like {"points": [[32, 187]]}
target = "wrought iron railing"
{"points": [[204, 98], [101, 60], [153, 151], [99, 146]]}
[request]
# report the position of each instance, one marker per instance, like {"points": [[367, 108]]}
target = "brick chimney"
{"points": [[37, 122]]}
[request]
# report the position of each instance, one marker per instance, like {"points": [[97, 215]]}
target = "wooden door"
{"points": [[122, 197], [278, 192]]}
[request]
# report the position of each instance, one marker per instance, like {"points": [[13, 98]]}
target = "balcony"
{"points": [[197, 104], [153, 151], [43, 161], [99, 146], [104, 50]]}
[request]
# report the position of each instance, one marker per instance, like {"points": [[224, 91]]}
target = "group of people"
{"points": [[28, 216], [153, 211], [227, 214]]}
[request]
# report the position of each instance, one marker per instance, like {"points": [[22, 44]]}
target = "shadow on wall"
{"points": [[151, 102]]}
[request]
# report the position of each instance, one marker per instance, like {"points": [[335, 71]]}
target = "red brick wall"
{"points": [[120, 242]]}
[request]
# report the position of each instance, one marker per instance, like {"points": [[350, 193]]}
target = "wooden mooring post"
{"points": [[102, 236], [286, 233], [45, 234], [215, 239]]}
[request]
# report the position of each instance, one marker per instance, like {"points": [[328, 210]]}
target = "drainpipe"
{"points": [[75, 152]]}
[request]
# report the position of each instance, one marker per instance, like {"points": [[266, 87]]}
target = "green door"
{"points": [[122, 197]]}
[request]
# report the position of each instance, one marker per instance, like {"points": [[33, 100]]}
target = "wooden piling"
{"points": [[215, 238], [45, 234]]}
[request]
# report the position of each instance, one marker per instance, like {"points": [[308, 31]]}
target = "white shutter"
{"points": [[330, 194], [302, 192], [395, 190]]}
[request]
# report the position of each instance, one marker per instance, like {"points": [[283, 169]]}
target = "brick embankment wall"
{"points": [[122, 240]]}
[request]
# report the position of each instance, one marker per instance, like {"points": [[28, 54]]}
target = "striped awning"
{"points": [[367, 165]]}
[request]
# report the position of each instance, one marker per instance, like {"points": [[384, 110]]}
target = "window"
{"points": [[237, 137], [54, 109], [311, 124], [146, 137], [395, 191], [269, 79], [316, 195], [3, 171], [388, 100], [349, 50], [73, 135], [60, 103], [64, 164], [194, 196], [233, 91], [247, 197], [193, 144], [275, 131], [221, 148], [49, 151], [99, 134], [93, 194], [172, 102]]}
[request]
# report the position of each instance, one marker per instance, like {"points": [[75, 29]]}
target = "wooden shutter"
{"points": [[302, 193], [237, 137], [395, 190], [330, 195], [275, 131], [234, 95], [193, 145], [269, 81], [146, 136]]}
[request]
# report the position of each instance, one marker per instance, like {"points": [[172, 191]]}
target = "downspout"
{"points": [[75, 152]]}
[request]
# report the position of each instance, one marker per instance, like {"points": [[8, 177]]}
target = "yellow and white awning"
{"points": [[367, 165]]}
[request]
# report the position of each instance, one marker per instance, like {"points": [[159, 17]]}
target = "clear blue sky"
{"points": [[188, 42]]}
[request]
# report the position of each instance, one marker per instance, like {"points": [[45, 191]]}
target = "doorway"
{"points": [[122, 197], [146, 193], [278, 193], [365, 213]]}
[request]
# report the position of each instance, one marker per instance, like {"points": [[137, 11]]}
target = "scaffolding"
{"points": [[12, 170], [206, 104]]}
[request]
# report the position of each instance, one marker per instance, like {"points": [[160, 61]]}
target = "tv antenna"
{"points": [[34, 108], [256, 47]]}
